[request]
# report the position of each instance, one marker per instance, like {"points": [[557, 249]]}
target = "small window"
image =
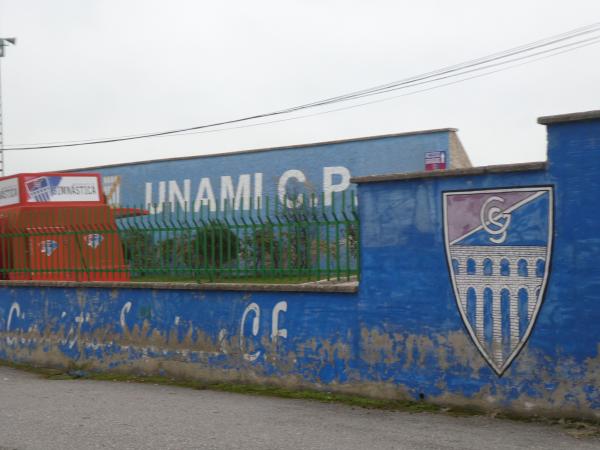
{"points": [[523, 270], [488, 267], [455, 266], [471, 266], [540, 268], [504, 267]]}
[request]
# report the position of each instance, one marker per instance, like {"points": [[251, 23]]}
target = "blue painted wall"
{"points": [[401, 335], [407, 294], [387, 154]]}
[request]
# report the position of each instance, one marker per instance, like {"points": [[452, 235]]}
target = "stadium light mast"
{"points": [[4, 42]]}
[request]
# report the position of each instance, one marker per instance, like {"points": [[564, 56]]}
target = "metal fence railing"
{"points": [[270, 241]]}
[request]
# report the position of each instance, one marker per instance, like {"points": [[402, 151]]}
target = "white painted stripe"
{"points": [[514, 320], [479, 315], [497, 327]]}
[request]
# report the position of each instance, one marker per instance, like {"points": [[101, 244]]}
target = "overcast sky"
{"points": [[91, 69]]}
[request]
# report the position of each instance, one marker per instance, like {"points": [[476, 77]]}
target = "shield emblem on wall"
{"points": [[498, 245]]}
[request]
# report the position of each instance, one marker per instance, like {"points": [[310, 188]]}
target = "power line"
{"points": [[458, 67], [484, 63], [358, 94], [381, 100]]}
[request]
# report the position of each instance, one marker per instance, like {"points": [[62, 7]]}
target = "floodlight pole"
{"points": [[4, 42]]}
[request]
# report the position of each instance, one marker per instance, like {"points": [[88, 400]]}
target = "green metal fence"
{"points": [[276, 240]]}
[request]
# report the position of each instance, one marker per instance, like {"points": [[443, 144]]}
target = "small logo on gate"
{"points": [[498, 245], [48, 246], [93, 240]]}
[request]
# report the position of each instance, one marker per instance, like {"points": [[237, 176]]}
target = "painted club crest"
{"points": [[498, 245], [93, 240], [48, 246]]}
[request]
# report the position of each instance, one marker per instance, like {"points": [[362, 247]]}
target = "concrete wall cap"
{"points": [[341, 287], [571, 117], [482, 170]]}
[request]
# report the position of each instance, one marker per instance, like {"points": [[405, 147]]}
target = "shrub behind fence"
{"points": [[277, 240]]}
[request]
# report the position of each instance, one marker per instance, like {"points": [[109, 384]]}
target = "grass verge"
{"points": [[251, 389]]}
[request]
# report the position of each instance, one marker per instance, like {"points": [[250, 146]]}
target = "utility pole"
{"points": [[4, 42]]}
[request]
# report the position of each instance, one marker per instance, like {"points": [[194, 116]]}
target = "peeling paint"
{"points": [[401, 336]]}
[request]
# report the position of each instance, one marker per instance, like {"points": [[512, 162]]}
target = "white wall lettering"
{"points": [[328, 181], [252, 307], [276, 332], [232, 195], [124, 310], [258, 190], [241, 196], [222, 338], [156, 208], [14, 308], [175, 195], [205, 196], [282, 187]]}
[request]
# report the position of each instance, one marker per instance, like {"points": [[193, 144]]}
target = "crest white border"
{"points": [[550, 189]]}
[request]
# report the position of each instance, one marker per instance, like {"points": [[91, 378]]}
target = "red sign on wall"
{"points": [[435, 160]]}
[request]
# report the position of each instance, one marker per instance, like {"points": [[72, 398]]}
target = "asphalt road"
{"points": [[36, 413]]}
